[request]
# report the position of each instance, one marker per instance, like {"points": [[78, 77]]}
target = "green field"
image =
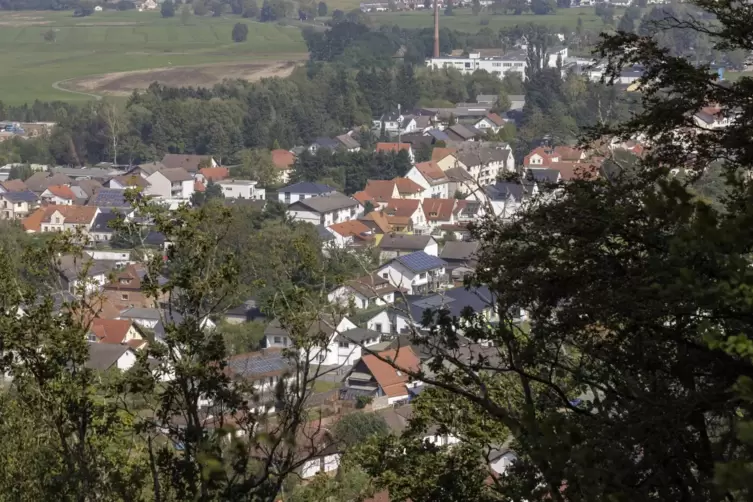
{"points": [[465, 20], [121, 41]]}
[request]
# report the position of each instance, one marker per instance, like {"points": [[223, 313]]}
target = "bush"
{"points": [[168, 9], [240, 32]]}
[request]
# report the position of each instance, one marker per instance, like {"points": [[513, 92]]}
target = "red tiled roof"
{"points": [[441, 152], [352, 228], [62, 191], [392, 147], [548, 156], [380, 220], [567, 153], [402, 207], [430, 170], [215, 173], [380, 190], [392, 381], [438, 209], [496, 119], [282, 159], [33, 222], [364, 197], [110, 330], [71, 215], [407, 186]]}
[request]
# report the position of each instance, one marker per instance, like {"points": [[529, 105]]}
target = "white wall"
{"points": [[241, 191], [126, 361], [186, 189], [380, 323], [158, 185], [401, 277]]}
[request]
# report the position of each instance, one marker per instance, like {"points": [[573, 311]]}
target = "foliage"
{"points": [[321, 9], [20, 172], [355, 428], [167, 9], [240, 32], [255, 164], [243, 337]]}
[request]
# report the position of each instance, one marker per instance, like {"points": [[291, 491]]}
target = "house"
{"points": [[213, 174], [405, 214], [170, 318], [439, 212], [440, 152], [190, 163], [417, 272], [491, 122], [146, 170], [111, 198], [545, 157], [79, 173], [303, 190], [247, 311], [83, 275], [101, 229], [16, 205], [507, 197], [711, 118], [264, 369], [117, 332], [13, 186], [323, 143], [372, 376], [409, 189], [485, 162], [381, 191], [460, 254], [106, 357], [283, 161], [462, 132], [126, 181], [377, 222], [396, 148], [352, 233], [145, 317], [343, 340], [393, 245], [348, 143], [431, 178], [487, 99], [125, 289], [391, 123], [325, 210], [58, 194], [242, 189], [61, 218], [171, 183], [398, 419], [364, 292], [517, 101], [40, 180]]}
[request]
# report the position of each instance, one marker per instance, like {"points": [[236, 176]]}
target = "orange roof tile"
{"points": [[364, 197], [567, 153], [496, 119], [352, 228], [408, 186], [198, 186], [282, 159], [71, 214], [402, 207], [33, 222], [14, 185], [380, 220], [438, 209], [441, 152], [110, 330], [391, 380], [62, 191], [430, 170], [380, 190], [214, 173], [392, 147]]}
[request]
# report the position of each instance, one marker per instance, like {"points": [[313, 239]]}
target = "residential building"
{"points": [[242, 189], [381, 191], [16, 205], [416, 272], [101, 229], [393, 245], [303, 190], [391, 123], [398, 419], [125, 291], [374, 377], [107, 357], [405, 214], [364, 292], [352, 233], [507, 197], [348, 143], [213, 174], [409, 189], [325, 210], [491, 122], [462, 132], [171, 183], [147, 169], [377, 222], [110, 198], [396, 148], [712, 118], [515, 61], [40, 180], [78, 173], [80, 275], [460, 254], [485, 162], [190, 163], [324, 143], [59, 194], [117, 332], [283, 161], [431, 178], [145, 317], [61, 218], [439, 212], [13, 186]]}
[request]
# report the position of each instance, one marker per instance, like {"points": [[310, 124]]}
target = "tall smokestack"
{"points": [[436, 28]]}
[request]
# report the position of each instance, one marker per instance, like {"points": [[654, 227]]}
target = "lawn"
{"points": [[121, 41], [464, 20]]}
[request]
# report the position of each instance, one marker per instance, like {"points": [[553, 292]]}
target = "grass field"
{"points": [[109, 42], [465, 20]]}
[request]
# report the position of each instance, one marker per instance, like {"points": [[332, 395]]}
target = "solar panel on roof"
{"points": [[420, 261]]}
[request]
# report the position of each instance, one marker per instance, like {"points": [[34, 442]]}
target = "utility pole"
{"points": [[436, 28]]}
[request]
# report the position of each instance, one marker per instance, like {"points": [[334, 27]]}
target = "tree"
{"points": [[250, 9], [255, 164], [20, 172], [185, 15], [626, 24], [476, 9], [49, 35], [542, 7], [448, 11], [240, 32], [200, 8], [243, 337], [356, 428], [115, 124], [321, 9], [167, 9]]}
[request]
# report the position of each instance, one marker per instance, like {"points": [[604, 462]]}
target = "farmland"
{"points": [[110, 42]]}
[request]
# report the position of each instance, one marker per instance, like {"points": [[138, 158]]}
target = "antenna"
{"points": [[436, 28]]}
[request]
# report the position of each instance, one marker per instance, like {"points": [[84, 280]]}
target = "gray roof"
{"points": [[404, 242], [459, 251], [102, 221], [463, 131], [185, 161], [140, 313], [348, 141], [150, 167], [472, 154], [25, 196], [84, 172], [307, 187], [487, 98], [71, 267], [502, 190], [326, 203], [176, 174], [255, 365], [358, 335], [324, 234], [103, 356], [325, 324], [40, 180]]}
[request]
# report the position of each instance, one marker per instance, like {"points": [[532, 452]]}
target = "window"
{"points": [[343, 345], [507, 65], [321, 220], [124, 296], [467, 65], [287, 197], [378, 327], [496, 64], [385, 275], [321, 357], [422, 276], [278, 340]]}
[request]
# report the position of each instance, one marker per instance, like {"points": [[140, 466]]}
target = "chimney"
{"points": [[436, 28]]}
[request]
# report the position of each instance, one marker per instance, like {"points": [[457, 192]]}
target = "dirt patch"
{"points": [[17, 19], [124, 83]]}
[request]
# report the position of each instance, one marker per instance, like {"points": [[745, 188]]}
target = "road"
{"points": [[57, 86]]}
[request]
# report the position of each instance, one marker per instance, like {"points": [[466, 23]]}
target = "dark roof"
{"points": [[542, 175], [325, 324], [176, 174], [109, 197], [453, 300], [155, 238], [459, 251], [188, 162], [438, 135], [255, 365], [103, 356], [420, 261], [358, 335], [326, 203], [327, 143], [404, 242], [102, 221], [307, 187], [502, 190], [25, 196], [324, 234]]}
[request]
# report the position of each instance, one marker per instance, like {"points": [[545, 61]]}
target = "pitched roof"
{"points": [[214, 173], [392, 147], [61, 191], [392, 381], [364, 197], [71, 215], [441, 152], [89, 187], [474, 154], [151, 167], [567, 153], [407, 242], [547, 155], [40, 180], [103, 356], [260, 364], [109, 197], [22, 196], [352, 228], [326, 203], [407, 186], [307, 187], [380, 190], [282, 159], [13, 185], [176, 174], [402, 207], [459, 250], [420, 261], [348, 141], [495, 119], [431, 171], [542, 174], [439, 209], [110, 330], [33, 222], [379, 219], [371, 286], [102, 222], [181, 160], [576, 170], [131, 180]]}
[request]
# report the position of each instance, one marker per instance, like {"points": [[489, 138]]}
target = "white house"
{"points": [[372, 376], [241, 189], [415, 273], [58, 194], [364, 292], [107, 356], [512, 62], [491, 122], [394, 245], [15, 205], [507, 197], [390, 122], [303, 190], [486, 163], [325, 210], [432, 179], [174, 183]]}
